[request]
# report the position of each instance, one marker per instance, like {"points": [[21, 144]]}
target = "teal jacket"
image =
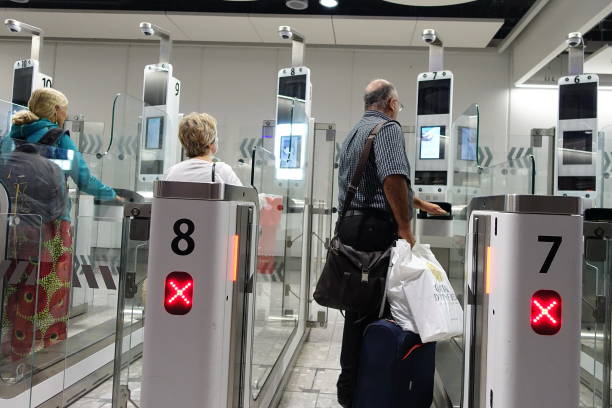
{"points": [[79, 172]]}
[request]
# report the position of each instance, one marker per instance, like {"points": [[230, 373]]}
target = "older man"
{"points": [[381, 210]]}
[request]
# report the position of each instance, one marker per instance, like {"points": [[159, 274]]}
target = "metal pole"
{"points": [[297, 53], [576, 54], [165, 49], [37, 41], [436, 50]]}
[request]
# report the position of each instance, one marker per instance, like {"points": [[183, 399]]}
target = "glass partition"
{"points": [[74, 277], [323, 209], [606, 166], [276, 285], [595, 356], [127, 379], [26, 328], [466, 184]]}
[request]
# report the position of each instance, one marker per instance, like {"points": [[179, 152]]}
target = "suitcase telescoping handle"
{"points": [[384, 298]]}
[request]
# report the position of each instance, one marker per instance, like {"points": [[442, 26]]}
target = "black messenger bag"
{"points": [[354, 280]]}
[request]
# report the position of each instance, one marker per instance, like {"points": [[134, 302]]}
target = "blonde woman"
{"points": [[39, 312], [198, 135]]}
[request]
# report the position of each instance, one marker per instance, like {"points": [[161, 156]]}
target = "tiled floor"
{"points": [[313, 381], [311, 385]]}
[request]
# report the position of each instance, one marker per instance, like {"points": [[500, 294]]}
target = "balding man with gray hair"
{"points": [[381, 211]]}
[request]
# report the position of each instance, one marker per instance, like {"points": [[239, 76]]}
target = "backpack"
{"points": [[34, 183]]}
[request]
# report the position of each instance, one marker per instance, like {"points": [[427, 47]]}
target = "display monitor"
{"points": [[576, 183], [434, 97], [577, 147], [293, 86], [155, 133], [155, 88], [22, 85], [432, 143], [430, 178], [467, 144], [578, 101], [291, 152], [151, 167]]}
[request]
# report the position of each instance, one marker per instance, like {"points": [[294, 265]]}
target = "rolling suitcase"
{"points": [[396, 370]]}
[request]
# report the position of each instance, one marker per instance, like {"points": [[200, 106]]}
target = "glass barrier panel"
{"points": [[29, 330], [323, 209], [606, 167], [595, 328], [467, 184], [135, 153], [7, 109], [279, 265], [127, 379]]}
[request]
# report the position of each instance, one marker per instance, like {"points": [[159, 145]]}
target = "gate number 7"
{"points": [[556, 243]]}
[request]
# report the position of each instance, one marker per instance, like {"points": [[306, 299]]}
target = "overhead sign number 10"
{"points": [[183, 244]]}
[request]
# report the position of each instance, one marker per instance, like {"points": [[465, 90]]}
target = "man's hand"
{"points": [[429, 208], [407, 235]]}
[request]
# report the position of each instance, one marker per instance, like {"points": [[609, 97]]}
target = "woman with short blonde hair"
{"points": [[198, 135]]}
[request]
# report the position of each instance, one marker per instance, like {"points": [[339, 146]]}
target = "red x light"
{"points": [[546, 316], [178, 296]]}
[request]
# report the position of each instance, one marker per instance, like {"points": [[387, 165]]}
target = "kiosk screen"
{"points": [[152, 167], [434, 97], [155, 126], [432, 145], [577, 183], [293, 86], [578, 147], [290, 152], [467, 144], [430, 178], [22, 85], [155, 88], [578, 101]]}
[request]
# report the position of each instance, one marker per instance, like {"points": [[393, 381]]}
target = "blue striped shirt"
{"points": [[388, 157]]}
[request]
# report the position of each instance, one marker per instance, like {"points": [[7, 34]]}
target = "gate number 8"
{"points": [[556, 243], [183, 237]]}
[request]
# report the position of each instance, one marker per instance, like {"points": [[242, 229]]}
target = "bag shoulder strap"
{"points": [[214, 166], [52, 136], [363, 159]]}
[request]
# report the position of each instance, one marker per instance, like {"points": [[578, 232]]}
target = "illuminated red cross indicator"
{"points": [[180, 293], [178, 296], [546, 312]]}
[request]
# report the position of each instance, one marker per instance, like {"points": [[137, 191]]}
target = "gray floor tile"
{"points": [[302, 378], [325, 381], [327, 401], [103, 392], [87, 403], [299, 400]]}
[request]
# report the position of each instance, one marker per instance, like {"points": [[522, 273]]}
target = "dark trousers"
{"points": [[373, 231]]}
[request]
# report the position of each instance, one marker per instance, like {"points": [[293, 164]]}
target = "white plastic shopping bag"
{"points": [[421, 297]]}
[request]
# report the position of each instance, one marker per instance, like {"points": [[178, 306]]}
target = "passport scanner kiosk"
{"points": [[159, 143], [293, 109], [202, 252], [433, 129], [26, 72], [522, 303], [577, 167]]}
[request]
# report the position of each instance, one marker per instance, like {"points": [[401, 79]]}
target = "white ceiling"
{"points": [[600, 62], [326, 30]]}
